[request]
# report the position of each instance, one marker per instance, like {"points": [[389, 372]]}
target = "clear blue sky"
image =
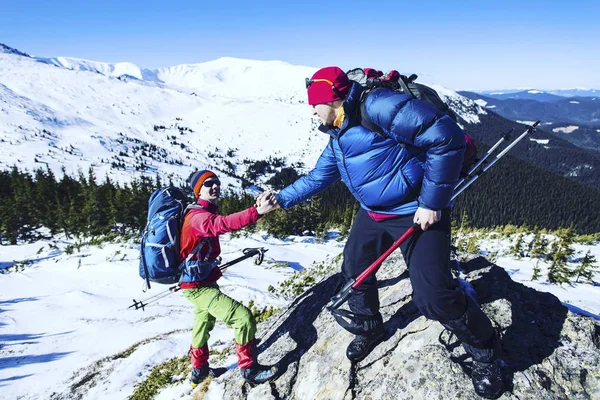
{"points": [[459, 44]]}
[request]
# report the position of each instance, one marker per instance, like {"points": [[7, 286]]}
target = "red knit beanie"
{"points": [[320, 88]]}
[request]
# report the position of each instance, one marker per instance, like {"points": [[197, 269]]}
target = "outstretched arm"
{"points": [[207, 224], [320, 178]]}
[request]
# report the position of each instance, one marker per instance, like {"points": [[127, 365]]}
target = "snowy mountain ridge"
{"points": [[125, 121]]}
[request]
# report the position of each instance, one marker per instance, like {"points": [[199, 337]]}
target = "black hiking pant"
{"points": [[436, 293]]}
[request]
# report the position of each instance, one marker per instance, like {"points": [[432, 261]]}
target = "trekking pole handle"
{"points": [[248, 252], [530, 130]]}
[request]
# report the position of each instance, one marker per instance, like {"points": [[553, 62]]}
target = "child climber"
{"points": [[200, 241]]}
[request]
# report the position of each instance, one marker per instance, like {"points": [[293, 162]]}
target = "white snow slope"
{"points": [[63, 314], [71, 113]]}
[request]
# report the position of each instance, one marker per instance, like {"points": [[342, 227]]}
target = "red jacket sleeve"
{"points": [[206, 224]]}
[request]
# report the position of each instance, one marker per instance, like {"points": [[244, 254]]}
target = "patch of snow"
{"points": [[566, 129], [574, 102], [540, 141], [577, 170], [534, 91], [467, 109], [481, 102]]}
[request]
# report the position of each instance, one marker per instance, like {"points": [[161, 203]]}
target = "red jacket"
{"points": [[206, 222]]}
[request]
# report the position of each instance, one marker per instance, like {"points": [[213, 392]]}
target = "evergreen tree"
{"points": [[586, 267], [560, 255], [45, 199], [465, 222], [537, 272], [538, 246], [517, 248], [19, 215]]}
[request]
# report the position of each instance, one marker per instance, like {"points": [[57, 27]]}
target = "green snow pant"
{"points": [[210, 304]]}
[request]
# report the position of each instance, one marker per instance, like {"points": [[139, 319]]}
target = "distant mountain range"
{"points": [[545, 107], [539, 95], [574, 119]]}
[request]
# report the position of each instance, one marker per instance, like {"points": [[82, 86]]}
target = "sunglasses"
{"points": [[211, 183], [335, 90]]}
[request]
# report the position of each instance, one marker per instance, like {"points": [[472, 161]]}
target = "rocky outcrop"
{"points": [[550, 353], [9, 50]]}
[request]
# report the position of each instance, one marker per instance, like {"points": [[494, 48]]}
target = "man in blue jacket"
{"points": [[403, 177]]}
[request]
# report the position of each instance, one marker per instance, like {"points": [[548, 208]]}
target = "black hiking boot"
{"points": [[200, 374], [257, 374], [362, 345], [487, 373], [487, 379]]}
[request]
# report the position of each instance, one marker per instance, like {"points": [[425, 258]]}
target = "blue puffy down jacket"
{"points": [[417, 165]]}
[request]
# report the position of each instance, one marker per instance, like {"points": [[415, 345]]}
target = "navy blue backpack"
{"points": [[160, 260]]}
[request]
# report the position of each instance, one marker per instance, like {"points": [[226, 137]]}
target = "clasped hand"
{"points": [[266, 202]]}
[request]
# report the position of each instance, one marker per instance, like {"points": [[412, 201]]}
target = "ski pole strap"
{"points": [[259, 252]]}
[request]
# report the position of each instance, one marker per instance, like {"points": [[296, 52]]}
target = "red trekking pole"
{"points": [[348, 290]]}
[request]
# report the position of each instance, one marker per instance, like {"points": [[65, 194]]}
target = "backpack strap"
{"points": [[405, 85], [202, 242], [197, 249], [199, 246], [183, 264], [192, 207], [366, 122], [144, 264]]}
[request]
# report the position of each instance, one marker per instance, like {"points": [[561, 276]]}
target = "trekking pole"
{"points": [[504, 138], [348, 290], [248, 252], [530, 130], [143, 303]]}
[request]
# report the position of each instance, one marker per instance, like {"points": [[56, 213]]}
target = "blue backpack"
{"points": [[160, 260]]}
